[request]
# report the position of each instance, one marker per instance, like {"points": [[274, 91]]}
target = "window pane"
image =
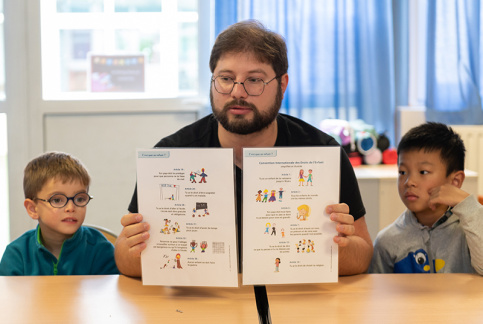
{"points": [[161, 37], [138, 6], [80, 5]]}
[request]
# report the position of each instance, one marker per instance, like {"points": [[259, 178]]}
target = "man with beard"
{"points": [[249, 66]]}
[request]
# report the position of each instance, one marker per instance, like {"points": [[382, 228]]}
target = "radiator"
{"points": [[472, 136]]}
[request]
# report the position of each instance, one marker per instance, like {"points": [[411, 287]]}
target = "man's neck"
{"points": [[264, 138]]}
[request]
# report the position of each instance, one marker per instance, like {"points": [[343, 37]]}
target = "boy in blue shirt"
{"points": [[442, 229], [56, 194]]}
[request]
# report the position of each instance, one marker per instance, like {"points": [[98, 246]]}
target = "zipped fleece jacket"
{"points": [[87, 252], [453, 244]]}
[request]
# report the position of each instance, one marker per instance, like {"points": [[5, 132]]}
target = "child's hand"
{"points": [[446, 194]]}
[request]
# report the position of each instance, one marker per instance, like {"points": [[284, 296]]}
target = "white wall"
{"points": [[102, 133]]}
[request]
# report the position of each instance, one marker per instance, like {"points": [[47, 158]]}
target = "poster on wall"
{"points": [[116, 73]]}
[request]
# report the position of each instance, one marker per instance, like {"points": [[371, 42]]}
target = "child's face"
{"points": [[59, 223], [419, 172]]}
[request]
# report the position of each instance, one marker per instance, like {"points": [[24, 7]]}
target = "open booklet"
{"points": [[187, 196], [287, 236]]}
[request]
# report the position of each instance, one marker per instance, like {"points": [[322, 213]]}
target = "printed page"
{"points": [[187, 196], [287, 236]]}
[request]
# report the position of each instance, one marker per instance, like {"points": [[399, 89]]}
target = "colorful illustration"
{"points": [[175, 229], [203, 175], [192, 177], [303, 212], [277, 264], [267, 227], [265, 195], [176, 264], [305, 246], [259, 196], [309, 177], [169, 191], [193, 246], [166, 230], [203, 246], [274, 231], [301, 177], [283, 232], [417, 262], [200, 206], [178, 261], [272, 196]]}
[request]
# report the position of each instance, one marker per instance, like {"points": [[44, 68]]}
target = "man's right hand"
{"points": [[130, 243]]}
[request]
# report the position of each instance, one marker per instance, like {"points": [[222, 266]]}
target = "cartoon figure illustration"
{"points": [[259, 196], [272, 196], [298, 246], [267, 227], [309, 177], [301, 177], [303, 246], [193, 246], [310, 247], [203, 176], [283, 232], [417, 262], [165, 230], [178, 263], [303, 212], [265, 195], [203, 246], [277, 264], [280, 194], [274, 231], [192, 177], [175, 228], [203, 206]]}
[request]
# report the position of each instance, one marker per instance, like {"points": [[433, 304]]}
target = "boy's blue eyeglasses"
{"points": [[60, 200]]}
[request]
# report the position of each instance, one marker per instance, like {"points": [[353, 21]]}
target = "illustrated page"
{"points": [[187, 196], [287, 236]]}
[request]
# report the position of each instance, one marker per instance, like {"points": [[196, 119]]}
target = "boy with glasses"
{"points": [[56, 194]]}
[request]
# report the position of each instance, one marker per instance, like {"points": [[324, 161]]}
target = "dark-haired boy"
{"points": [[442, 228]]}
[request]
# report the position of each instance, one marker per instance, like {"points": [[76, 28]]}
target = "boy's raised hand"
{"points": [[446, 194]]}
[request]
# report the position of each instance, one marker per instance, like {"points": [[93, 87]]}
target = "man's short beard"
{"points": [[239, 125]]}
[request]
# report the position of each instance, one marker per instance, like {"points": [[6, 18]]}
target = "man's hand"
{"points": [[130, 243], [339, 213]]}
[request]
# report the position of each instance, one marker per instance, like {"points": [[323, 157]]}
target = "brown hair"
{"points": [[52, 165], [250, 36]]}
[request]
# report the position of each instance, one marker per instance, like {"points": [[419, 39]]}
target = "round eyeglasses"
{"points": [[252, 86], [60, 200]]}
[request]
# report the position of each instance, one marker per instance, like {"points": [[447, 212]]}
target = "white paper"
{"points": [[287, 236], [187, 196]]}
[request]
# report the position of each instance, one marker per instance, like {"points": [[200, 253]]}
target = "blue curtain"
{"points": [[341, 55], [454, 62]]}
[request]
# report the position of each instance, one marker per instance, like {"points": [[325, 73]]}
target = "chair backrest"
{"points": [[110, 235]]}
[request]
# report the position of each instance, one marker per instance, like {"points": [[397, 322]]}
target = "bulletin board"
{"points": [[116, 73]]}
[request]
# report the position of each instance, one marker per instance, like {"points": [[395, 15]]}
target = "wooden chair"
{"points": [[110, 235]]}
